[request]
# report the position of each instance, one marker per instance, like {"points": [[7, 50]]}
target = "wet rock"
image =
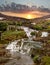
{"points": [[21, 60]]}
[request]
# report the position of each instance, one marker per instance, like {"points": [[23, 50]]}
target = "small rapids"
{"points": [[22, 52]]}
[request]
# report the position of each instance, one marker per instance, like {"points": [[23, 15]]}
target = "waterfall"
{"points": [[14, 47], [22, 43], [28, 31]]}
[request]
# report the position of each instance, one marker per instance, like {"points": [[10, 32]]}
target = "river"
{"points": [[22, 51]]}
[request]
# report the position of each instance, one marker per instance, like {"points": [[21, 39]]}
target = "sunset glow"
{"points": [[27, 15]]}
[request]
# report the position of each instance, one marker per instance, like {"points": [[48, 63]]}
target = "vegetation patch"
{"points": [[13, 35]]}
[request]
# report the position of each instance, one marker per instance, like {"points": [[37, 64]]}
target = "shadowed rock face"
{"points": [[20, 59]]}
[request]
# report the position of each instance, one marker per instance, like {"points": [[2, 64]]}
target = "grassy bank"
{"points": [[12, 35]]}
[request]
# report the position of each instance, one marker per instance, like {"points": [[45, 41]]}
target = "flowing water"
{"points": [[22, 51]]}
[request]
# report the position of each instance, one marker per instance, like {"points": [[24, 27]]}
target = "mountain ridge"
{"points": [[22, 8]]}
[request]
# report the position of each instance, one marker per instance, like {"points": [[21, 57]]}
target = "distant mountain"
{"points": [[43, 9], [13, 7]]}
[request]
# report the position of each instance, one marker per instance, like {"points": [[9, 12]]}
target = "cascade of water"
{"points": [[13, 46], [28, 31], [44, 34], [22, 43]]}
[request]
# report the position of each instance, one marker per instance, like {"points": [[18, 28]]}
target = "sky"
{"points": [[45, 3]]}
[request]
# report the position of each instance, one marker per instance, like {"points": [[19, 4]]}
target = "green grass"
{"points": [[13, 35], [4, 41], [46, 59], [12, 32]]}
